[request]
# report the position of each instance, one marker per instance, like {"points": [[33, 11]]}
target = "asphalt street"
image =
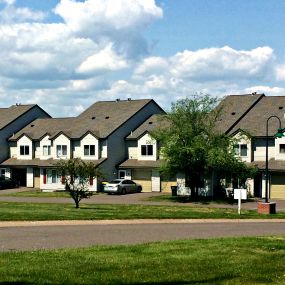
{"points": [[52, 236]]}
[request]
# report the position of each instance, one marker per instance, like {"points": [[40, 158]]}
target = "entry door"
{"points": [[122, 174]]}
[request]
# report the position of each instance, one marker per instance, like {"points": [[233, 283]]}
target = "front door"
{"points": [[122, 174]]}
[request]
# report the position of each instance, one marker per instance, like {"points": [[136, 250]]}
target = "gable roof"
{"points": [[101, 119], [152, 123], [254, 122], [234, 108], [8, 115]]}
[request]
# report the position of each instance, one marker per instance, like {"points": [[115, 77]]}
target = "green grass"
{"points": [[212, 261], [39, 193], [12, 211]]}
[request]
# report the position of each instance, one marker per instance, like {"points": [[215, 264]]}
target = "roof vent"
{"points": [[233, 113], [118, 99], [280, 107], [253, 93], [150, 123], [93, 118], [107, 117], [32, 125], [129, 99]]}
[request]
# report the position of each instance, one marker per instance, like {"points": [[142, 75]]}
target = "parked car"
{"points": [[6, 183], [122, 186]]}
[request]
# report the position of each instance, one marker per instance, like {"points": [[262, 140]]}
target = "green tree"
{"points": [[190, 144], [77, 175]]}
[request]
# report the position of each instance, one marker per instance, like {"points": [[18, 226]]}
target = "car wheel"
{"points": [[139, 190], [123, 191]]}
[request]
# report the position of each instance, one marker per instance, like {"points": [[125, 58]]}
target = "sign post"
{"points": [[240, 194]]}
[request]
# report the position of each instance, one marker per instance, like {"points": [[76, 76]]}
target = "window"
{"points": [[147, 149], [2, 172], [243, 150], [52, 176], [61, 150], [282, 148], [24, 150], [89, 150], [240, 149], [46, 150]]}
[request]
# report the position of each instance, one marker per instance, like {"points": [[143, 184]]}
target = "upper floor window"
{"points": [[61, 150], [89, 150], [147, 149], [46, 150], [240, 149], [24, 150], [282, 148]]}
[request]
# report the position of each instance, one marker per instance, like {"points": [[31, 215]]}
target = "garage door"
{"points": [[278, 186], [142, 177]]}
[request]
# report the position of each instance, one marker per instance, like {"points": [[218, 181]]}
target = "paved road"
{"points": [[134, 199], [38, 235]]}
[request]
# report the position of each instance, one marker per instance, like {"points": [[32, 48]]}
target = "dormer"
{"points": [[242, 146], [61, 146], [88, 148], [24, 147], [147, 147]]}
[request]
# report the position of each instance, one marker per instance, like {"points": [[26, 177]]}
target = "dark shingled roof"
{"points": [[8, 115], [134, 163], [233, 108], [255, 120], [101, 119], [273, 165], [153, 122], [36, 162]]}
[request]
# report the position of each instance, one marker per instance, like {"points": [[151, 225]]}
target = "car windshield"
{"points": [[116, 181]]}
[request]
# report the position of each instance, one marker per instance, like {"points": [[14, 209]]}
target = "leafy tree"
{"points": [[191, 145], [77, 175]]}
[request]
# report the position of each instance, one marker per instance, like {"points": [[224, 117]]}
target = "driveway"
{"points": [[71, 234], [137, 198]]}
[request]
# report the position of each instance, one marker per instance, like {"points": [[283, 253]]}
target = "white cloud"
{"points": [[214, 63], [273, 91], [105, 59], [280, 72]]}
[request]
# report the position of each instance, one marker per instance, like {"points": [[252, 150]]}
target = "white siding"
{"points": [[104, 148], [30, 177], [147, 140], [24, 140], [87, 140], [61, 140], [278, 155], [260, 149], [133, 152], [244, 140], [39, 150]]}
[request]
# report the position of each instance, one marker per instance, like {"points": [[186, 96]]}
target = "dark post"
{"points": [[266, 164]]}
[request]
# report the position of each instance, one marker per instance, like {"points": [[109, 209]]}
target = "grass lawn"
{"points": [[11, 211], [39, 193], [213, 261]]}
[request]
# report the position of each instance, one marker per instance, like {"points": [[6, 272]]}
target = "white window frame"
{"points": [[89, 149], [238, 149], [46, 150], [147, 150], [26, 149], [60, 149]]}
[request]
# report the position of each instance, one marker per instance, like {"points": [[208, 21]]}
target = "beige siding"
{"points": [[37, 178], [277, 186], [143, 177], [166, 185]]}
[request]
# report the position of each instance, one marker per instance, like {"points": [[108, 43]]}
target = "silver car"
{"points": [[122, 186]]}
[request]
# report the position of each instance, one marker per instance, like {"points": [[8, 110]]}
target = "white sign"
{"points": [[240, 194]]}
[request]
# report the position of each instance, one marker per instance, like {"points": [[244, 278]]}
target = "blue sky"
{"points": [[66, 54]]}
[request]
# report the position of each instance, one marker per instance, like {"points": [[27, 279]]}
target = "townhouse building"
{"points": [[12, 119], [245, 117], [97, 135]]}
